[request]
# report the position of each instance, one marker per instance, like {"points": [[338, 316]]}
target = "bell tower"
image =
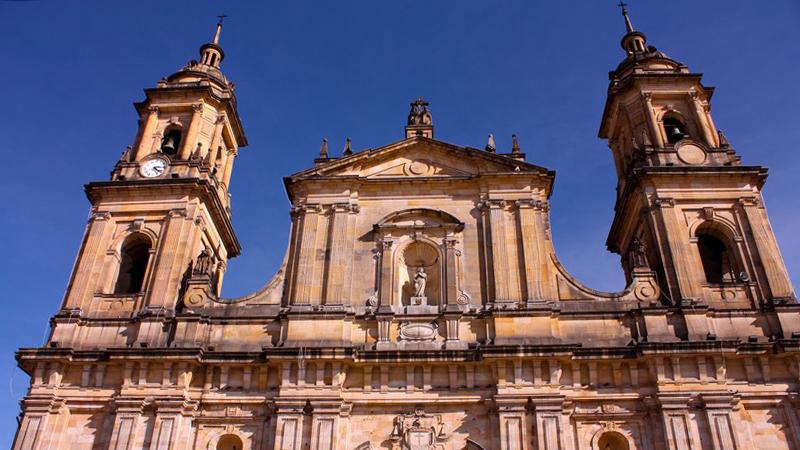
{"points": [[686, 205], [164, 212]]}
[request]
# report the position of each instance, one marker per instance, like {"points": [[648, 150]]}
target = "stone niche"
{"points": [[419, 269], [419, 265]]}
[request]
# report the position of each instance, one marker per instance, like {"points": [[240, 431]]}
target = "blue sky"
{"points": [[307, 70]]}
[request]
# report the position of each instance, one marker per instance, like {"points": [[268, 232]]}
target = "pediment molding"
{"points": [[418, 157]]}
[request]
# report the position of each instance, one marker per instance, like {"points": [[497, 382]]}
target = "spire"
{"points": [[211, 54], [347, 150], [634, 42], [514, 145], [323, 151], [628, 24], [219, 29], [490, 145]]}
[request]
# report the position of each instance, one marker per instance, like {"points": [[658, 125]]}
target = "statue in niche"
{"points": [[638, 253], [203, 264], [420, 275], [420, 279]]}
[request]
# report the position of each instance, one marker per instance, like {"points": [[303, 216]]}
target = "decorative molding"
{"points": [[418, 331]]}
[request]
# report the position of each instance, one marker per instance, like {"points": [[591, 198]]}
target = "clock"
{"points": [[153, 168]]}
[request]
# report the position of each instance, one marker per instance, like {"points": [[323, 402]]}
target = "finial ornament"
{"points": [[634, 42], [323, 151], [514, 145], [628, 24], [347, 149], [420, 114], [490, 145], [219, 28]]}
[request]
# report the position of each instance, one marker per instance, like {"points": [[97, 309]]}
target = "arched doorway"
{"points": [[611, 440], [230, 442]]}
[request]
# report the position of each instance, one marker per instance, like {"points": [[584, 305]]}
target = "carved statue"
{"points": [[419, 115], [638, 253], [202, 265], [126, 155], [420, 280]]}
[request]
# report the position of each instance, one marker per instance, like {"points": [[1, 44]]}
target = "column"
{"points": [[216, 138], [347, 282], [679, 428], [307, 256], [652, 121], [289, 425], [43, 423], [167, 423], [128, 416], [325, 427], [450, 273], [531, 255], [718, 409], [190, 139], [678, 248], [229, 157], [80, 289], [169, 262], [553, 431], [544, 244], [499, 253], [768, 253], [146, 138], [512, 419], [386, 273], [700, 114], [321, 255], [338, 263], [791, 407]]}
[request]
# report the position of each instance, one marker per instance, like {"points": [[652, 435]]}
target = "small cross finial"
{"points": [[628, 24], [219, 28]]}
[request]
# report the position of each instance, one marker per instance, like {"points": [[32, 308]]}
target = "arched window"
{"points": [[717, 259], [134, 256], [674, 128], [230, 442], [171, 141]]}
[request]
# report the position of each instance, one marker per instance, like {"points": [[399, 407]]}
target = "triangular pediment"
{"points": [[419, 157]]}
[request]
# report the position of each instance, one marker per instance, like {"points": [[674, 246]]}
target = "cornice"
{"points": [[203, 188]]}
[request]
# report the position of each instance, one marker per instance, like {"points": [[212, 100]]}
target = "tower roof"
{"points": [[640, 55], [208, 67]]}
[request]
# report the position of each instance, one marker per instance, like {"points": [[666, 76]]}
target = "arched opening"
{"points": [[171, 141], [717, 259], [611, 440], [674, 128], [420, 275], [134, 256], [230, 442]]}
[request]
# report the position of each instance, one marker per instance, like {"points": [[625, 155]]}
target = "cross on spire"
{"points": [[219, 28], [628, 24]]}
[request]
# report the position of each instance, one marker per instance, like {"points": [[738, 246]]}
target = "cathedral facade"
{"points": [[420, 304]]}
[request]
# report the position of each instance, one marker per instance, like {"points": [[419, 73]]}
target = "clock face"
{"points": [[154, 168]]}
